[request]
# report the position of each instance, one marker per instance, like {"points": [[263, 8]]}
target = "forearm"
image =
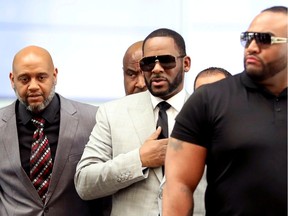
{"points": [[184, 167], [95, 178], [177, 200]]}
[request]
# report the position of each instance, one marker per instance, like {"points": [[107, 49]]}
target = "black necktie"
{"points": [[162, 119], [163, 122]]}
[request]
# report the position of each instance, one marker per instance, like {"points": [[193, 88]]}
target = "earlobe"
{"points": [[186, 68], [187, 63]]}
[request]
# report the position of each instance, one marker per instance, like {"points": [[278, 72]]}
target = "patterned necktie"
{"points": [[163, 119], [40, 159]]}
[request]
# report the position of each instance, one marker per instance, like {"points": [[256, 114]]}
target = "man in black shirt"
{"points": [[238, 126]]}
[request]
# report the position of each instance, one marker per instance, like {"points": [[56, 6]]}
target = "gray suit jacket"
{"points": [[18, 196], [111, 162]]}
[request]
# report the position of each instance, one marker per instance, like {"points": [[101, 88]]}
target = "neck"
{"points": [[277, 83]]}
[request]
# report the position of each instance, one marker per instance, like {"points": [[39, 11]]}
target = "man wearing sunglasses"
{"points": [[238, 127], [125, 154]]}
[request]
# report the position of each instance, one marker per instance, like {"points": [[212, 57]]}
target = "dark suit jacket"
{"points": [[17, 194]]}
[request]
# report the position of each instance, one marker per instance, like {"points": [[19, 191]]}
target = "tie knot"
{"points": [[38, 122], [163, 106]]}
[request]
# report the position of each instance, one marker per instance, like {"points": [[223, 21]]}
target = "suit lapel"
{"points": [[11, 145], [68, 126], [144, 124]]}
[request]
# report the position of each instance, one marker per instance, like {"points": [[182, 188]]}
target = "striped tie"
{"points": [[40, 159]]}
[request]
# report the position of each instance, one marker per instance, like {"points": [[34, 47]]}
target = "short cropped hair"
{"points": [[164, 32], [276, 9], [210, 71]]}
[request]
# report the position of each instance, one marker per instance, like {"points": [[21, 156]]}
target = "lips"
{"points": [[252, 60], [158, 81], [34, 97]]}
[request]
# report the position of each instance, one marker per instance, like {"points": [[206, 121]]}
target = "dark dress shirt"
{"points": [[25, 128]]}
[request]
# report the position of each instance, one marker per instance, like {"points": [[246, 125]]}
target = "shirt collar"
{"points": [[176, 101], [48, 114], [249, 83]]}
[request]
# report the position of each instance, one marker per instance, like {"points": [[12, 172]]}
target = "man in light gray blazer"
{"points": [[68, 125], [124, 156]]}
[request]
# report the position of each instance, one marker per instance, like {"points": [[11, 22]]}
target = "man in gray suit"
{"points": [[67, 127], [124, 156]]}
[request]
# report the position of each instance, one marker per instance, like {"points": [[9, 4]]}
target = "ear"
{"points": [[55, 73], [187, 63], [11, 76]]}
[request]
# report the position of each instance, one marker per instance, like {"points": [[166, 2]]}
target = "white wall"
{"points": [[87, 38]]}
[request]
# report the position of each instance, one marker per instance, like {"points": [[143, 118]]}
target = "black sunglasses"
{"points": [[166, 61], [260, 38]]}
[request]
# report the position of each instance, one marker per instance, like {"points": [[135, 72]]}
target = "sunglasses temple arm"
{"points": [[278, 40]]}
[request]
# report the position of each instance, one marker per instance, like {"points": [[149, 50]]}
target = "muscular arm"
{"points": [[184, 166]]}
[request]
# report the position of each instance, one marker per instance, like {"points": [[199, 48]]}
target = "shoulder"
{"points": [[76, 106], [8, 110], [130, 101], [222, 87], [217, 93]]}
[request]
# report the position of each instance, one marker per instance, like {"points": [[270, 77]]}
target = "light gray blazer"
{"points": [[111, 162], [18, 196]]}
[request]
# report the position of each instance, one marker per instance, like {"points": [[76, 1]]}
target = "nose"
{"points": [[252, 47], [141, 82], [157, 68], [33, 84]]}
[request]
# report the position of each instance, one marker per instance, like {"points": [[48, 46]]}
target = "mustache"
{"points": [[158, 77], [34, 94]]}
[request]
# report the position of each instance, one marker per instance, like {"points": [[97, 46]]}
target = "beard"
{"points": [[172, 86], [266, 71], [40, 107]]}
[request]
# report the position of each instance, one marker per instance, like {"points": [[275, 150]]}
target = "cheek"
{"points": [[46, 88], [21, 92], [131, 84], [147, 76], [20, 89], [127, 81]]}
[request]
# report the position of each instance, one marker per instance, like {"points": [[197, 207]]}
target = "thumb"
{"points": [[155, 134]]}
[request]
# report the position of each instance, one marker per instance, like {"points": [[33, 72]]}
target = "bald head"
{"points": [[133, 77], [32, 53], [133, 53]]}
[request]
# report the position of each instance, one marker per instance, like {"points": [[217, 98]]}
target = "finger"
{"points": [[165, 141], [155, 134]]}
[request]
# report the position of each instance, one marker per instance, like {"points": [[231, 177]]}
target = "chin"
{"points": [[36, 107]]}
